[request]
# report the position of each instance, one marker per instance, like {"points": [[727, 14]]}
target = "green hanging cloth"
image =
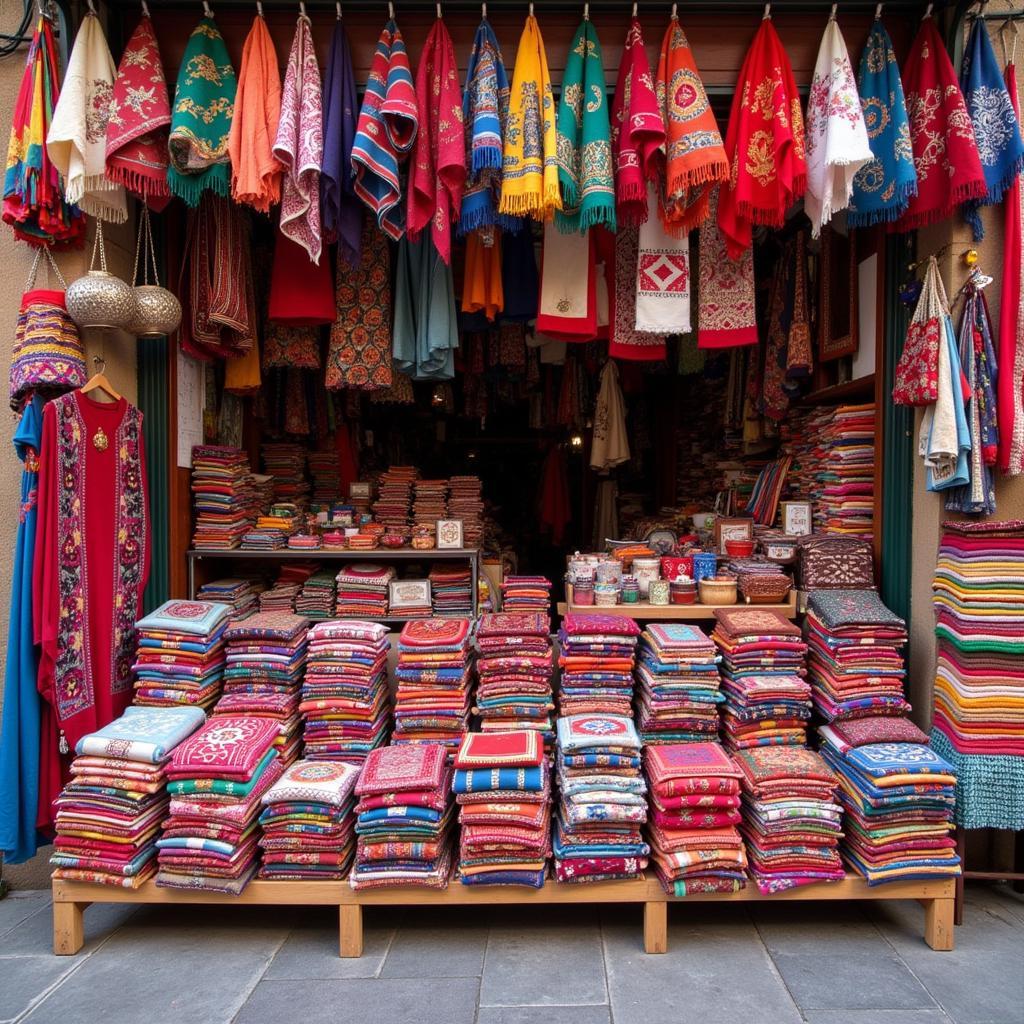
{"points": [[585, 177]]}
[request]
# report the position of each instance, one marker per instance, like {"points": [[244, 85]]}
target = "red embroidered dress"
{"points": [[92, 562]]}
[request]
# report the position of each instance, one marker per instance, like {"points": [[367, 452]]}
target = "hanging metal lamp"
{"points": [[158, 311], [100, 299]]}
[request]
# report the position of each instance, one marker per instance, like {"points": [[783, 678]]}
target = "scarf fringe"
{"points": [[190, 188], [886, 215], [1002, 186], [706, 174], [142, 184], [486, 158], [524, 204], [969, 190], [598, 216]]}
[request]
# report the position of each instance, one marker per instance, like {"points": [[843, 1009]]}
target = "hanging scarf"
{"points": [[299, 146], [637, 129], [529, 183], [77, 141], [340, 209], [764, 144], [662, 276], [426, 332], [610, 445], [140, 113], [949, 171], [567, 310], [204, 108], [520, 282], [255, 171], [484, 114], [996, 130], [693, 155], [945, 438], [773, 400], [481, 285], [837, 137], [585, 180], [726, 314], [799, 349], [34, 203], [386, 131], [439, 164], [883, 187], [625, 340]]}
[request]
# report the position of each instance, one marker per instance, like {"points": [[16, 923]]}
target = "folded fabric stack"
{"points": [[465, 502], [503, 787], [285, 462], [305, 542], [679, 693], [284, 594], [695, 808], [317, 596], [217, 778], [603, 806], [847, 474], [394, 497], [526, 594], [280, 708], [223, 497], [238, 594], [406, 818], [451, 589], [430, 502], [363, 590], [308, 824], [853, 655], [180, 658], [597, 658], [345, 690], [272, 528], [325, 469], [108, 815], [434, 675], [791, 819], [514, 670], [898, 795], [767, 699]]}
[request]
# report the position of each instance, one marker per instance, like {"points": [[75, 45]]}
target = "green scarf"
{"points": [[204, 105], [585, 178]]}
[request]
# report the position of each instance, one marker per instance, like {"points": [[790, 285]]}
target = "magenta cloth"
{"points": [[233, 746]]}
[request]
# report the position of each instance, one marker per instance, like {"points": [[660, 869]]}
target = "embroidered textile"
{"points": [[726, 314], [662, 275], [567, 308], [626, 341], [916, 380], [522, 748], [406, 768], [145, 735], [319, 782]]}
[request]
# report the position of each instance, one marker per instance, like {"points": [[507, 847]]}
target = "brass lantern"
{"points": [[158, 311]]}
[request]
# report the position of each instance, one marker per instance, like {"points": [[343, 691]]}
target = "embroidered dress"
{"points": [[726, 314]]}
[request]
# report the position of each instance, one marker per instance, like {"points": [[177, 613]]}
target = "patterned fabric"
{"points": [[435, 633], [522, 748], [503, 624], [199, 618], [585, 180], [229, 746], [268, 626], [140, 113], [48, 352], [319, 782], [438, 173], [407, 768], [610, 443], [877, 729], [625, 340], [584, 732], [386, 131], [754, 622], [764, 144], [916, 379], [662, 275], [687, 761], [949, 170], [143, 734], [838, 608], [298, 347]]}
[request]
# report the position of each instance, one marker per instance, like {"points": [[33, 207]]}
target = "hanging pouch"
{"points": [[917, 372]]}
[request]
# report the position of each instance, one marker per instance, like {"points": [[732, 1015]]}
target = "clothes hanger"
{"points": [[99, 381]]}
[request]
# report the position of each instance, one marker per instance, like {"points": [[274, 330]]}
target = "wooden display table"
{"points": [[71, 898], [645, 612]]}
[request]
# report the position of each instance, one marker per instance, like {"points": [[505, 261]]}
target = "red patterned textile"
{"points": [[402, 769], [523, 748]]}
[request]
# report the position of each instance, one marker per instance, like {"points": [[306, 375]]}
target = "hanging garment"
{"points": [[944, 441], [255, 171], [19, 727], [692, 157], [916, 379], [994, 120], [34, 201], [438, 173], [386, 131], [637, 129], [481, 284], [949, 170], [203, 112], [293, 347], [426, 332], [91, 564], [837, 137], [242, 376], [529, 182], [140, 113], [340, 208], [610, 444], [567, 310], [764, 144], [585, 180], [773, 399], [555, 508], [606, 513], [299, 146], [883, 187], [625, 341], [800, 349], [77, 141], [520, 281], [726, 313], [301, 292], [662, 275]]}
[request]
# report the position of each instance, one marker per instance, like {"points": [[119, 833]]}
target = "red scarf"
{"points": [[764, 144], [439, 163], [637, 129], [946, 157]]}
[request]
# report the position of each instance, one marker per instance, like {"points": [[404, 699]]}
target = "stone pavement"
{"points": [[819, 963]]}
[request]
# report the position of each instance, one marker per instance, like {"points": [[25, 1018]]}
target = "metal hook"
{"points": [[878, 12], [586, 12], [531, 10], [207, 9], [259, 8], [391, 12], [928, 11], [634, 10], [483, 11], [675, 11], [145, 9], [767, 12], [438, 6], [92, 7], [337, 9], [832, 13], [302, 9]]}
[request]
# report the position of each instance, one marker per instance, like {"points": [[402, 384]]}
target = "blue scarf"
{"points": [[996, 131], [883, 188]]}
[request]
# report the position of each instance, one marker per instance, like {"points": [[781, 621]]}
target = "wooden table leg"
{"points": [[938, 923], [351, 930], [656, 927], [68, 928], [961, 850]]}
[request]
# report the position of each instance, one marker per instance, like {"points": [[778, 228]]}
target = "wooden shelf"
{"points": [[674, 612], [345, 555], [863, 388]]}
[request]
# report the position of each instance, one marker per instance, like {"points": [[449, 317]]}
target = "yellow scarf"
{"points": [[529, 185]]}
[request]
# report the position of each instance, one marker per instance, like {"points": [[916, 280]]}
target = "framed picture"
{"points": [[837, 334], [359, 489], [404, 594], [449, 533], [732, 529], [796, 518]]}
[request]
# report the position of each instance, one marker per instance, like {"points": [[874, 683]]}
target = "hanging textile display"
{"points": [[764, 144], [882, 188], [301, 292], [140, 114], [296, 347], [916, 380], [726, 314], [610, 444], [555, 508], [481, 283], [242, 378], [662, 275], [529, 181], [836, 135], [77, 140], [773, 400], [625, 341], [34, 201], [520, 281], [340, 208], [637, 129], [426, 329], [800, 349], [438, 172], [949, 170], [386, 131], [567, 310], [203, 111], [585, 179], [692, 154]]}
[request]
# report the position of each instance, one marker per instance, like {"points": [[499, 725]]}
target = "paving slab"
{"points": [[801, 928], [15, 907], [544, 1015], [876, 1017], [435, 942], [34, 936], [24, 980]]}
